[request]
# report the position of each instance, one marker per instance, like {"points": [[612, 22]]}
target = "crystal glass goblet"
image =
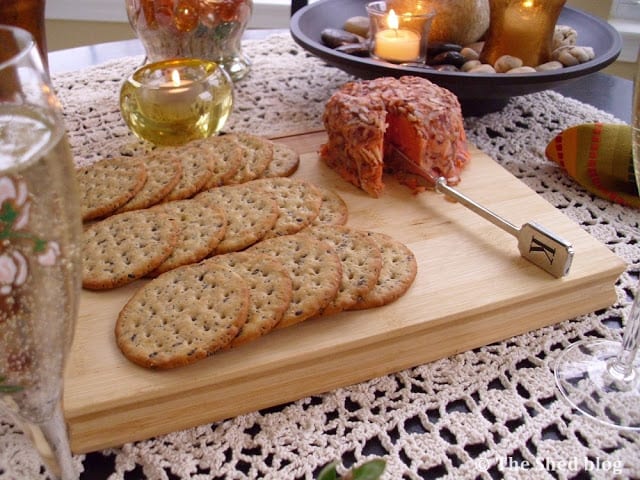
{"points": [[40, 233]]}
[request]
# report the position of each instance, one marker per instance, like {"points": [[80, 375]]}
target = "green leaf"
{"points": [[39, 245], [371, 470], [8, 388], [328, 472], [8, 214]]}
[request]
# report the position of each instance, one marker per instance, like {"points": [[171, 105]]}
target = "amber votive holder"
{"points": [[173, 102], [522, 29], [398, 36]]}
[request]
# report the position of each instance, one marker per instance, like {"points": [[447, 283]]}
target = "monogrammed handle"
{"points": [[537, 244]]}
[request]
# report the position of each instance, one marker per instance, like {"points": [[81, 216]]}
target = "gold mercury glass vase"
{"points": [[206, 29]]}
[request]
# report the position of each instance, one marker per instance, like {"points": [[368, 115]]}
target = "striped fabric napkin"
{"points": [[599, 157]]}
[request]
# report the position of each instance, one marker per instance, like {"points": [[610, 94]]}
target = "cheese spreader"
{"points": [[540, 246]]}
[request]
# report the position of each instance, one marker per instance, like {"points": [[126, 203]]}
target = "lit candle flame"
{"points": [[175, 78], [392, 20], [528, 3]]}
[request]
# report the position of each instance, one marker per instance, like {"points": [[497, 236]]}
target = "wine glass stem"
{"points": [[622, 367], [55, 432]]}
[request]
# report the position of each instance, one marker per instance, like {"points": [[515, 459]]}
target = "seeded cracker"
{"points": [[197, 168], [164, 170], [270, 292], [183, 316], [257, 153], [125, 247], [298, 201], [250, 215], [333, 209], [399, 269], [285, 162], [315, 271], [226, 156], [361, 263], [201, 228], [106, 185]]}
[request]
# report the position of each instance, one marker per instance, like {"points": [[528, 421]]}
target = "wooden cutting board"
{"points": [[472, 289]]}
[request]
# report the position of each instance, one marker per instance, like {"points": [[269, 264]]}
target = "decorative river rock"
{"points": [[449, 56]]}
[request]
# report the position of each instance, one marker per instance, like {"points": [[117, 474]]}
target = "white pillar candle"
{"points": [[175, 98], [396, 44]]}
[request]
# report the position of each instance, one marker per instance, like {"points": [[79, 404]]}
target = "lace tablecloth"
{"points": [[479, 414]]}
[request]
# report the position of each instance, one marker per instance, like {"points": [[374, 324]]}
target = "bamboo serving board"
{"points": [[472, 289]]}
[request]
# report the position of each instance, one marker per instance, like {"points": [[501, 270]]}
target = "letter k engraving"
{"points": [[538, 246]]}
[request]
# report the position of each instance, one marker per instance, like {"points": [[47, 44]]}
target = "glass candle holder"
{"points": [[175, 101], [398, 36], [523, 29], [207, 29]]}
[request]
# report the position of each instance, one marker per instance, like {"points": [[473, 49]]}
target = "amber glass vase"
{"points": [[29, 15], [523, 29], [206, 29]]}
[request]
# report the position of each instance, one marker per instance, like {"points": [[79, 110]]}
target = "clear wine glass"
{"points": [[40, 232], [601, 378]]}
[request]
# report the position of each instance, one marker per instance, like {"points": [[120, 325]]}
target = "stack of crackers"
{"points": [[230, 257]]}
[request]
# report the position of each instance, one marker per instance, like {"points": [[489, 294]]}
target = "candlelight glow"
{"points": [[392, 20], [528, 3], [175, 78]]}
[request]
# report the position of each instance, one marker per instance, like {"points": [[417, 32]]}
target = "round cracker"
{"points": [[285, 162], [299, 202], [197, 168], [164, 170], [106, 185], [125, 247], [183, 316], [201, 227], [399, 269], [270, 292], [257, 153], [333, 209], [361, 263], [226, 156], [315, 271], [250, 215]]}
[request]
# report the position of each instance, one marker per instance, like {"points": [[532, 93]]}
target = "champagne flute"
{"points": [[635, 127], [601, 378], [40, 233]]}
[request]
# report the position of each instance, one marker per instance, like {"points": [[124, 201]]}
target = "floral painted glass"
{"points": [[205, 29], [40, 235]]}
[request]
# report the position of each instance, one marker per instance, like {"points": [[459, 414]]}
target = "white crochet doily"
{"points": [[479, 414]]}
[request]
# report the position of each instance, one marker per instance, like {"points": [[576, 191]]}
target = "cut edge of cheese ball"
{"points": [[365, 119]]}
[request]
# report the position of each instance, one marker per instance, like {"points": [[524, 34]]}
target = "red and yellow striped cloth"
{"points": [[598, 156]]}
